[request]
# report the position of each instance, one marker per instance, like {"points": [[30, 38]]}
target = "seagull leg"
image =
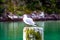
{"points": [[28, 25]]}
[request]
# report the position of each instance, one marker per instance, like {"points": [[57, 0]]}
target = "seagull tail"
{"points": [[35, 25]]}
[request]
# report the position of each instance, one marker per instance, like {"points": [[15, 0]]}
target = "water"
{"points": [[14, 30], [11, 30], [52, 30]]}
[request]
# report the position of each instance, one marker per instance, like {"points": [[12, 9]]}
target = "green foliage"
{"points": [[2, 1], [37, 34], [21, 8], [1, 8], [31, 5], [19, 13], [36, 6], [10, 7]]}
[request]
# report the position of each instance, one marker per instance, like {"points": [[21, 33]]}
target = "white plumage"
{"points": [[28, 21]]}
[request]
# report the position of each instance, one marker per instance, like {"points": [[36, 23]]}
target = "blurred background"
{"points": [[17, 8], [48, 6]]}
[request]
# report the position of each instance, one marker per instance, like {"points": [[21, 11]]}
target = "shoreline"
{"points": [[17, 20]]}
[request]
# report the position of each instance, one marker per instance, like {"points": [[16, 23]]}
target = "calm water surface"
{"points": [[14, 30]]}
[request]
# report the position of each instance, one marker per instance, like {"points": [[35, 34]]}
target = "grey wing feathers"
{"points": [[30, 21]]}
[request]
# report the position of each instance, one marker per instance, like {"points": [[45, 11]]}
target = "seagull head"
{"points": [[25, 15]]}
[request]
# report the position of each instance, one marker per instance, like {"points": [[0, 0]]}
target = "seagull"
{"points": [[28, 21]]}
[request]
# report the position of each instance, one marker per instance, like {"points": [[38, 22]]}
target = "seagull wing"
{"points": [[30, 21]]}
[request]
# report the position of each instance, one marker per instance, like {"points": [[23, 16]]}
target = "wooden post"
{"points": [[33, 33]]}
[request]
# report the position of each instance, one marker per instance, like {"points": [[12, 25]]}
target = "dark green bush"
{"points": [[30, 5]]}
